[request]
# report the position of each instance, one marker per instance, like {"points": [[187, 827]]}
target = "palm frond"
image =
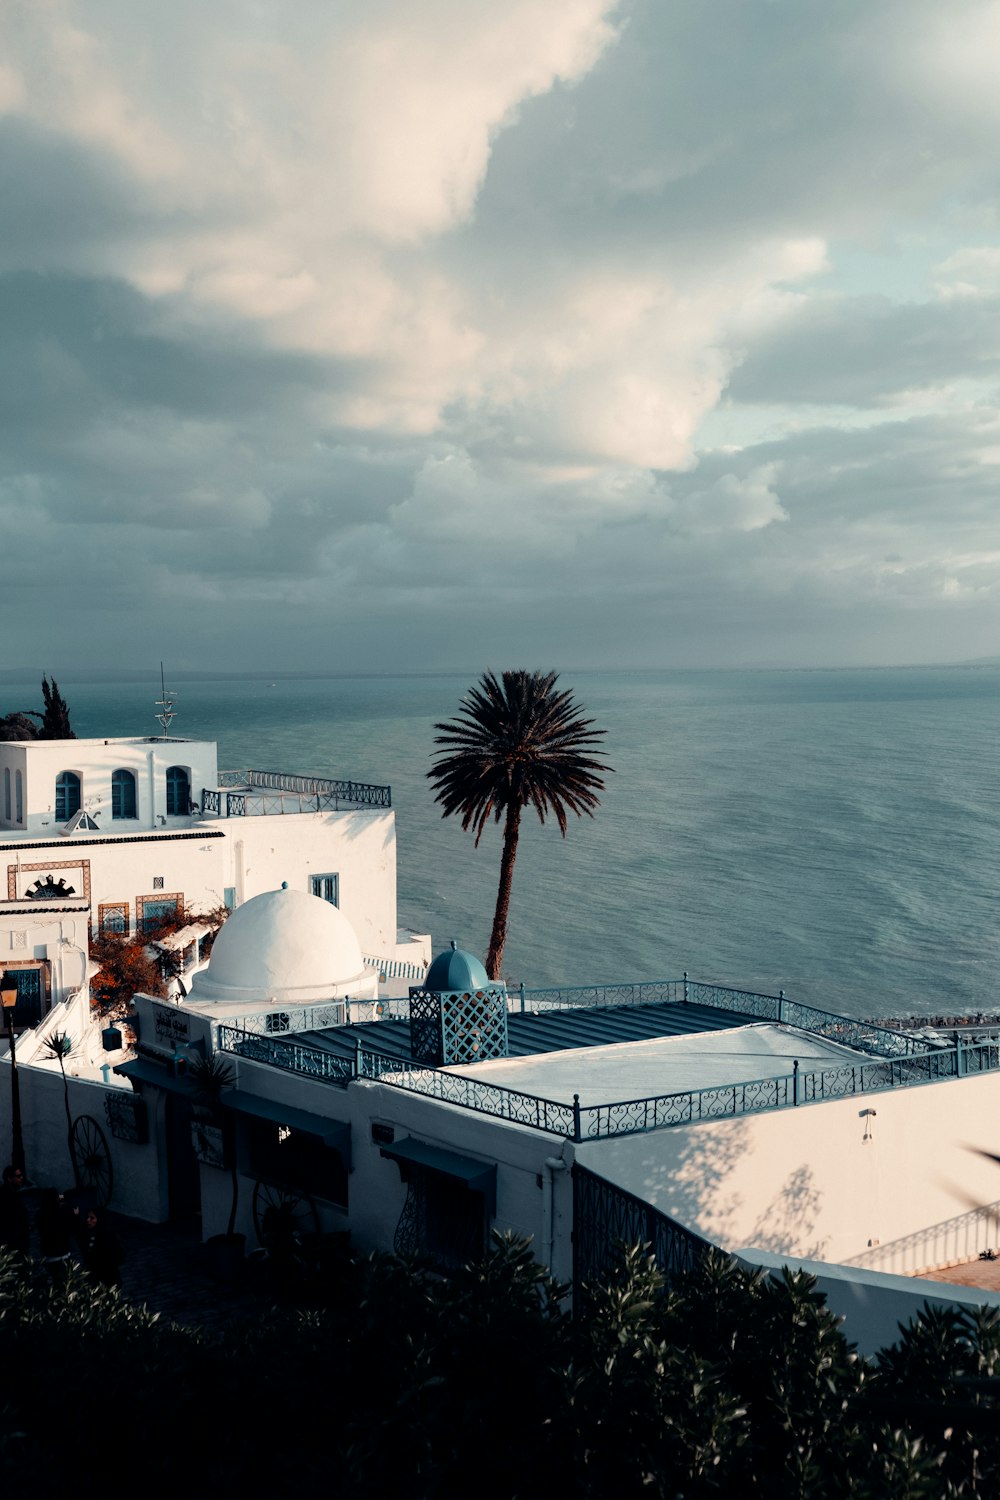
{"points": [[518, 741]]}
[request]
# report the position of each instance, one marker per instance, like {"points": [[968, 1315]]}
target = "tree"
{"points": [[59, 1045], [210, 1077], [53, 724], [55, 719], [18, 726], [517, 742]]}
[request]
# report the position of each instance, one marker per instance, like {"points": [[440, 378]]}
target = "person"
{"points": [[15, 1226], [101, 1252], [56, 1225]]}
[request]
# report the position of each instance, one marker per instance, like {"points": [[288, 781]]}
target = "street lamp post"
{"points": [[8, 995]]}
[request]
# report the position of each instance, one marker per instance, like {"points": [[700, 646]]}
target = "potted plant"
{"points": [[209, 1078]]}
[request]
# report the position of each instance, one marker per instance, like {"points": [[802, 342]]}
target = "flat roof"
{"points": [[128, 739], [529, 1034], [664, 1065]]}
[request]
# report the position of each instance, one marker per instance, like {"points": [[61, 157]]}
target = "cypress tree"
{"points": [[55, 719]]}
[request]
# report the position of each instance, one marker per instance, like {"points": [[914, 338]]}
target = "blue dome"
{"points": [[455, 970]]}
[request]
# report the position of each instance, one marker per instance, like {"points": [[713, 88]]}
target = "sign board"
{"points": [[171, 1026]]}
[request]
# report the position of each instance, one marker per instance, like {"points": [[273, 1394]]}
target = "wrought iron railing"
{"points": [[395, 968], [642, 992], [254, 793], [864, 1036], [283, 1052], [606, 1217], [296, 1018], [454, 1088], [620, 1117]]}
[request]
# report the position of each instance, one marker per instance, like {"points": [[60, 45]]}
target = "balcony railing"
{"points": [[622, 1117], [396, 968], [862, 1036], [606, 1217], [242, 794]]}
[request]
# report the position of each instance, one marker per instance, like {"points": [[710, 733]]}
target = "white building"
{"points": [[99, 835], [677, 1113]]}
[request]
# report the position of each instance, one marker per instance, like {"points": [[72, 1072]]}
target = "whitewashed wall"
{"points": [[873, 1304], [897, 1191], [359, 846], [532, 1199], [57, 938], [249, 855], [139, 1182], [94, 761]]}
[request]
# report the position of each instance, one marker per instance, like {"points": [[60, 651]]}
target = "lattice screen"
{"points": [[451, 1027]]}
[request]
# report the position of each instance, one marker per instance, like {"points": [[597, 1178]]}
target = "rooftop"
{"points": [[580, 1070], [529, 1035], [664, 1065]]}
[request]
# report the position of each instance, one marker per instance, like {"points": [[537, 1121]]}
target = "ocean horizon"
{"points": [[832, 832]]}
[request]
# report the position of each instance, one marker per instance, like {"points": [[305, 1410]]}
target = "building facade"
{"points": [[113, 835]]}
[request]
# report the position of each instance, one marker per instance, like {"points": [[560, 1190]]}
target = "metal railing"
{"points": [[253, 793], [395, 968], [278, 1021], [621, 1117], [861, 1035], [606, 1217], [453, 1088], [641, 992], [282, 1052]]}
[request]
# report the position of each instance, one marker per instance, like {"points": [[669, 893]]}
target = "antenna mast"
{"points": [[165, 703]]}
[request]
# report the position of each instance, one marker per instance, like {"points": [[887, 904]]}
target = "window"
{"points": [[295, 1160], [229, 898], [67, 796], [19, 797], [112, 916], [152, 911], [327, 888], [122, 794], [6, 792], [31, 993], [178, 792]]}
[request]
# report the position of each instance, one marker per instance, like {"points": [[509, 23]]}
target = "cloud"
{"points": [[577, 328]]}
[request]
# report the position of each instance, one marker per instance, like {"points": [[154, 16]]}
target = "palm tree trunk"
{"points": [[69, 1122], [511, 829]]}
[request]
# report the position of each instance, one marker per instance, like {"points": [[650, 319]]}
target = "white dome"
{"points": [[284, 946]]}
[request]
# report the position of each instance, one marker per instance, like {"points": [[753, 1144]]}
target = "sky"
{"points": [[370, 335]]}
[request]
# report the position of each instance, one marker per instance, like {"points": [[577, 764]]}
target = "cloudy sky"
{"points": [[377, 334]]}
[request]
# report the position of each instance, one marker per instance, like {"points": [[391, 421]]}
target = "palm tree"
{"points": [[59, 1045], [517, 742]]}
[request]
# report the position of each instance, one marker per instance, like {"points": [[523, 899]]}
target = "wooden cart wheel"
{"points": [[283, 1215], [92, 1158]]}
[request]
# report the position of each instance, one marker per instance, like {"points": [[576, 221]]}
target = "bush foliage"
{"points": [[399, 1383]]}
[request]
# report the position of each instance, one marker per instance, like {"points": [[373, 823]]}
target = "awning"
{"points": [[143, 1070], [176, 942], [333, 1133], [477, 1176]]}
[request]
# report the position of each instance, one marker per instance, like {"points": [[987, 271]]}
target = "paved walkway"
{"points": [[167, 1269]]}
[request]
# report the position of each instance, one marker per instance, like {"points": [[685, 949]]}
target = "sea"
{"points": [[835, 834]]}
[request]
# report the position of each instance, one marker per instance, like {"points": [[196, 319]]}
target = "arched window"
{"points": [[6, 792], [178, 791], [18, 797], [67, 795], [122, 794]]}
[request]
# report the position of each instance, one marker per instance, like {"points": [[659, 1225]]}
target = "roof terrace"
{"points": [[767, 1053], [255, 793]]}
